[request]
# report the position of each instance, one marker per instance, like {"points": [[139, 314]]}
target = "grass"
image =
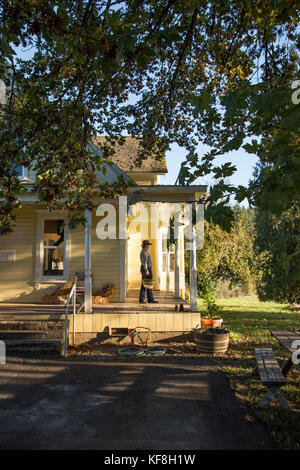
{"points": [[249, 322]]}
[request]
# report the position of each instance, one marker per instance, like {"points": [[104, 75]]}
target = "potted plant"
{"points": [[211, 317]]}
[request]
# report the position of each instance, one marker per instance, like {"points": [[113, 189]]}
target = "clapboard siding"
{"points": [[17, 278], [144, 178], [105, 258]]}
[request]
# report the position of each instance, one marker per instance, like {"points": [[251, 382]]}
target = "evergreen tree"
{"points": [[228, 256], [278, 241]]}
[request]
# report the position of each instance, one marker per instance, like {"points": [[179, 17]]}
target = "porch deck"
{"points": [[167, 302], [160, 317]]}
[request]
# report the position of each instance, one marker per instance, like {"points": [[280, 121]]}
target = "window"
{"points": [[168, 253], [22, 171], [53, 248], [172, 258]]}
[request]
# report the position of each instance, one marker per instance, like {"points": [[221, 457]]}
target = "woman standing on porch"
{"points": [[146, 271]]}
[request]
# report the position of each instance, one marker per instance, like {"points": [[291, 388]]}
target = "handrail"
{"points": [[72, 294]]}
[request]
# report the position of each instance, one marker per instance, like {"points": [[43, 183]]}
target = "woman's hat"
{"points": [[146, 242]]}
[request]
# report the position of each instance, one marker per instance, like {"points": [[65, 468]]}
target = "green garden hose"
{"points": [[155, 350], [129, 352]]}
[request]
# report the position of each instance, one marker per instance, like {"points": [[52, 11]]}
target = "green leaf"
{"points": [[251, 148], [235, 143], [224, 171], [220, 214], [202, 102]]}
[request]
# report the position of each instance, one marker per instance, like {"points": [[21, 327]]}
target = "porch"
{"points": [[107, 318], [39, 258]]}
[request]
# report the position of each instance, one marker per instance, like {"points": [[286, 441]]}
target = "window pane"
{"points": [[164, 244], [53, 262], [53, 233], [20, 171], [164, 267], [172, 261]]}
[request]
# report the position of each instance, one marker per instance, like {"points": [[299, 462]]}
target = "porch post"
{"points": [[87, 262], [122, 270], [193, 266], [168, 270], [123, 246], [177, 233], [177, 267]]}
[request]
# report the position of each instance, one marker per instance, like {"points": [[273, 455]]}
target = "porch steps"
{"points": [[40, 317], [29, 334], [32, 335], [33, 325], [34, 345]]}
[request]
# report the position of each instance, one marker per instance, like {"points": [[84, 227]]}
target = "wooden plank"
{"points": [[268, 367], [286, 338]]}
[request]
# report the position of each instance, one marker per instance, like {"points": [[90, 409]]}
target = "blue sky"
{"points": [[243, 161]]}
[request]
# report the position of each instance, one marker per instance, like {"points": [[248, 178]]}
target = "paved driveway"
{"points": [[164, 403]]}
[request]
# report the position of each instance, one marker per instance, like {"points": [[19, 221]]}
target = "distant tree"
{"points": [[227, 255], [278, 241]]}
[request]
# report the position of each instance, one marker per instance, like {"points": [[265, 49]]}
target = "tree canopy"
{"points": [[169, 71], [228, 256], [277, 240]]}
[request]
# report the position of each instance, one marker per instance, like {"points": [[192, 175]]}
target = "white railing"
{"points": [[72, 294]]}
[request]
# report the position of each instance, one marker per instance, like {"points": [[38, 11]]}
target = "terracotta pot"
{"points": [[209, 323]]}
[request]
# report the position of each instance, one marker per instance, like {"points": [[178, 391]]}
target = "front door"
{"points": [[167, 263]]}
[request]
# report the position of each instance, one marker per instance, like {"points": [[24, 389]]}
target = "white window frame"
{"points": [[43, 215], [25, 173], [167, 252]]}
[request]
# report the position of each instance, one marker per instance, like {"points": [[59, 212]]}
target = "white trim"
{"points": [[88, 263], [182, 272], [43, 215], [25, 173], [123, 269], [167, 277], [160, 260], [167, 270], [177, 267], [193, 268]]}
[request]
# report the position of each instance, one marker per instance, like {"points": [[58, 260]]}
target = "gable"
{"points": [[112, 172]]}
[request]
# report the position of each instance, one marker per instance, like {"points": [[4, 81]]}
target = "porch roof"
{"points": [[169, 193], [148, 193]]}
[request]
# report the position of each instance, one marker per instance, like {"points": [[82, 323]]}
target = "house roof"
{"points": [[127, 154]]}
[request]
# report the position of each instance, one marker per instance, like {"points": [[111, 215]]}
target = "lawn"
{"points": [[249, 322]]}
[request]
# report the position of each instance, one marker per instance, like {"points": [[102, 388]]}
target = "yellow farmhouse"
{"points": [[38, 256]]}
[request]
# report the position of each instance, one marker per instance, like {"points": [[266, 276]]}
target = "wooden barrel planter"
{"points": [[212, 340]]}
